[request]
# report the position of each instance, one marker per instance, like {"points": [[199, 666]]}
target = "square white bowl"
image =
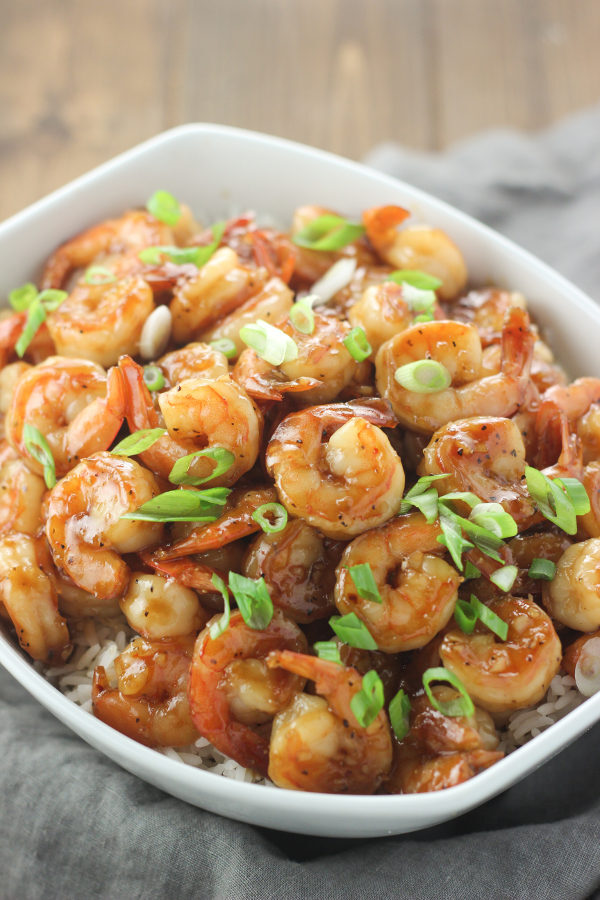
{"points": [[218, 170]]}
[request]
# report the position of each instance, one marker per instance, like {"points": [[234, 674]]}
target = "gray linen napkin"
{"points": [[74, 825]]}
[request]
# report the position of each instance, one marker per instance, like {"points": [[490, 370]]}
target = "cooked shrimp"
{"points": [[502, 676], [100, 322], [347, 485], [212, 292], [21, 493], [382, 313], [29, 597], [9, 377], [573, 595], [150, 701], [458, 348], [317, 744], [418, 589], [487, 309], [272, 304], [12, 325], [590, 522], [312, 264], [416, 247], [416, 773], [75, 406], [192, 360], [197, 413], [580, 402], [159, 608], [85, 530], [133, 231], [231, 688], [298, 565], [545, 373]]}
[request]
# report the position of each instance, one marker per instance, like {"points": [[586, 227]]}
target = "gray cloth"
{"points": [[72, 824]]}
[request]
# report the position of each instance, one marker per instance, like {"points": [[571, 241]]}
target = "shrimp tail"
{"points": [[381, 222], [326, 675], [190, 574], [517, 343], [139, 409]]}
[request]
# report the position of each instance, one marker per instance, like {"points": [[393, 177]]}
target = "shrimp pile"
{"points": [[344, 505]]}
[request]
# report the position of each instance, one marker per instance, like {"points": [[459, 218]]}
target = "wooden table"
{"points": [[80, 81]]}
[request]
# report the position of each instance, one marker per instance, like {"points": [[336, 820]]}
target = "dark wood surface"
{"points": [[80, 81]]}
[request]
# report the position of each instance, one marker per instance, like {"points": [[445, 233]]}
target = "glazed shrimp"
{"points": [[85, 530], [502, 676], [323, 368], [486, 309], [149, 702], [29, 597], [418, 589], [416, 247], [458, 348], [298, 565], [382, 312], [573, 595], [73, 403], [159, 608], [580, 402], [132, 232], [197, 413], [317, 744], [211, 293], [231, 688], [312, 264], [346, 485], [190, 361], [21, 493], [100, 322]]}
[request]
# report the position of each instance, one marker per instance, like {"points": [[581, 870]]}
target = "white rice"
{"points": [[98, 643]]}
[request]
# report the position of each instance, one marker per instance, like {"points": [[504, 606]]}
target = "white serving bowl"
{"points": [[218, 170]]}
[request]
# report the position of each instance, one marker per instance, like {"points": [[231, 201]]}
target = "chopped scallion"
{"points": [[223, 459], [328, 650], [328, 233], [138, 441], [425, 376], [416, 278], [357, 345], [399, 710], [253, 600], [504, 578], [99, 275], [277, 511], [302, 316], [164, 207], [489, 618], [182, 506], [217, 628], [270, 343], [154, 378], [225, 346], [544, 569], [353, 632], [364, 582], [368, 702], [38, 448], [460, 706]]}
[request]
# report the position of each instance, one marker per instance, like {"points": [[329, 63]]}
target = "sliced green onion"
{"points": [[425, 376], [253, 600], [328, 233], [467, 497], [51, 298], [279, 513], [399, 710], [576, 493], [424, 317], [452, 538], [36, 316], [416, 278], [154, 378], [37, 308], [353, 632], [357, 345], [22, 297], [38, 448], [328, 650], [426, 503], [489, 618], [419, 301], [182, 506], [164, 207], [365, 584], [270, 343], [465, 616], [197, 256], [217, 628], [225, 346], [99, 275], [368, 702], [460, 706], [302, 316], [553, 503], [471, 571], [484, 540], [224, 459], [542, 568], [494, 518], [138, 441], [504, 578]]}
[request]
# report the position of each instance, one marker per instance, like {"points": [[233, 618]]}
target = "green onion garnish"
{"points": [[465, 616], [554, 503], [495, 518], [51, 298], [154, 378], [576, 493], [253, 600], [182, 506], [223, 459], [353, 632], [424, 317], [138, 441], [270, 343], [424, 497], [365, 584], [164, 207], [279, 514], [36, 316], [416, 278], [452, 538], [399, 710], [225, 346], [328, 233], [38, 448], [328, 650], [542, 568], [504, 578], [460, 706], [37, 307], [302, 316], [489, 618], [471, 571], [368, 702], [99, 275], [217, 628], [425, 376], [197, 256], [357, 345], [22, 297]]}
